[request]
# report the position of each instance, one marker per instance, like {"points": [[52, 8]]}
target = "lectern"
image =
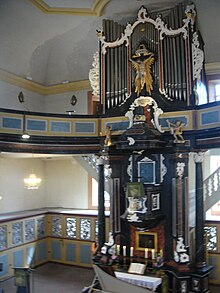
{"points": [[22, 279]]}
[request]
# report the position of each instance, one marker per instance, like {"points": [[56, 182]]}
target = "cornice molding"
{"points": [[95, 10], [212, 68], [42, 89]]}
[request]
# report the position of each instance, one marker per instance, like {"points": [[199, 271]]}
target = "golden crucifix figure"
{"points": [[143, 71]]}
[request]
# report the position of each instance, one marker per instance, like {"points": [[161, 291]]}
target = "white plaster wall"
{"points": [[44, 45], [206, 165], [60, 103], [9, 98], [66, 184], [192, 182], [15, 197], [205, 168], [207, 171]]}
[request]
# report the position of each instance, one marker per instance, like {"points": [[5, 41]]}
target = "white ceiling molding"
{"points": [[95, 9], [212, 68], [42, 89]]}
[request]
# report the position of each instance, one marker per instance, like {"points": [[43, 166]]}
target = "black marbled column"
{"points": [[101, 206], [200, 240]]}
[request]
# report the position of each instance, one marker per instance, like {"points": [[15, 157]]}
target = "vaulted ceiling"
{"points": [[53, 41]]}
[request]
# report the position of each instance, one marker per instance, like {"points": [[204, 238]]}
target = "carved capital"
{"points": [[198, 157]]}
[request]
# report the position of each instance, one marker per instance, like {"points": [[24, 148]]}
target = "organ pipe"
{"points": [[169, 42]]}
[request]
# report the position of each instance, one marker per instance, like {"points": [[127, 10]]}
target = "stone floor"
{"points": [[57, 278], [54, 278]]}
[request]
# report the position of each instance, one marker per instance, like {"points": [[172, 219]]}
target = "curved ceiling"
{"points": [[53, 41]]}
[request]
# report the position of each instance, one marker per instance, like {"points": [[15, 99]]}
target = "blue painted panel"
{"points": [[13, 123], [88, 127], [119, 125], [59, 126], [42, 251], [4, 261], [70, 252], [56, 250], [30, 255], [146, 172], [182, 119], [18, 258], [85, 253], [37, 125], [210, 117]]}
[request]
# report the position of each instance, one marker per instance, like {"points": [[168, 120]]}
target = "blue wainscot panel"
{"points": [[84, 127], [42, 251], [18, 258], [71, 252], [56, 249], [36, 125], [210, 117], [11, 123], [60, 126], [118, 126], [4, 261], [85, 253]]}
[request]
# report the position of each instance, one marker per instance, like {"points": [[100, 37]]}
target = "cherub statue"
{"points": [[108, 140], [176, 131]]}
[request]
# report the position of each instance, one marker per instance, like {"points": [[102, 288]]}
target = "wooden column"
{"points": [[120, 229], [200, 240], [101, 205]]}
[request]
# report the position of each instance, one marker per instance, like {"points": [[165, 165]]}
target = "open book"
{"points": [[137, 268]]}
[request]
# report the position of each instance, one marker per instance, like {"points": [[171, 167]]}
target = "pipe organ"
{"points": [[171, 38]]}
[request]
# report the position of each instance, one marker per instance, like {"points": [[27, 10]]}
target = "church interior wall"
{"points": [[34, 102], [72, 193], [60, 103], [9, 98]]}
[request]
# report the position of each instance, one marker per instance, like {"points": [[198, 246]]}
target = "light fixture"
{"points": [[25, 135], [70, 112], [21, 97], [32, 182], [73, 100]]}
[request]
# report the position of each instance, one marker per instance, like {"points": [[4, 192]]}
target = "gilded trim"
{"points": [[42, 89], [95, 10]]}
